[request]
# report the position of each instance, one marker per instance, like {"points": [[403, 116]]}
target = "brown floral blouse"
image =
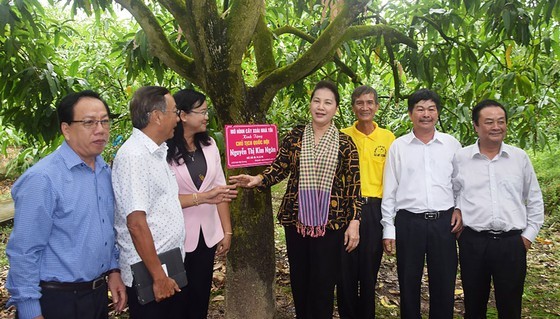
{"points": [[345, 204]]}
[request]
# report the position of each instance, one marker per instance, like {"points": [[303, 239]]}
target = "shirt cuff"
{"points": [[389, 232], [28, 309], [529, 234]]}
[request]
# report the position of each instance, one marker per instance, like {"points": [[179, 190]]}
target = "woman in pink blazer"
{"points": [[195, 160]]}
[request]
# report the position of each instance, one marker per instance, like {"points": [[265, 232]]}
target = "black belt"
{"points": [[427, 215], [371, 200], [497, 234], [81, 286]]}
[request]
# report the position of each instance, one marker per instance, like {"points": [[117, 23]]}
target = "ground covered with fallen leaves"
{"points": [[541, 298]]}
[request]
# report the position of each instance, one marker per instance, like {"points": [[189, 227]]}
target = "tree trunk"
{"points": [[251, 261]]}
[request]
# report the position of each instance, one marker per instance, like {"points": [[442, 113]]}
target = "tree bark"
{"points": [[251, 260]]}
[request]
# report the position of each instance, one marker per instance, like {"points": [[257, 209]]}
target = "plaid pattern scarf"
{"points": [[317, 170]]}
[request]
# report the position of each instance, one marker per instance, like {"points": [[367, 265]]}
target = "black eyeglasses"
{"points": [[176, 111], [90, 124]]}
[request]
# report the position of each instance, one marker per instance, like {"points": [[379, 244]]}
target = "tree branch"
{"points": [[240, 27], [297, 32], [158, 43], [321, 50], [390, 34], [264, 53], [395, 70]]}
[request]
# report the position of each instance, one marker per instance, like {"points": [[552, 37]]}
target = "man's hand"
{"points": [[118, 291], [389, 246], [527, 243], [164, 288], [456, 222], [352, 235]]}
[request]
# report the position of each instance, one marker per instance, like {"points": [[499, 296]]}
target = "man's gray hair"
{"points": [[364, 89], [145, 100]]}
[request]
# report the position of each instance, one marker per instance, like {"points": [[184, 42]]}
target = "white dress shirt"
{"points": [[417, 177], [501, 193], [143, 181]]}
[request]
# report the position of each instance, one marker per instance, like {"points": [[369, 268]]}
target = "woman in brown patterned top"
{"points": [[320, 211]]}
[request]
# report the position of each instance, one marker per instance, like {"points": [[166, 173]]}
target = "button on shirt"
{"points": [[63, 227], [501, 193], [417, 177], [143, 181]]}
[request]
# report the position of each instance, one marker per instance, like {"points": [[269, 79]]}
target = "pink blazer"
{"points": [[204, 216]]}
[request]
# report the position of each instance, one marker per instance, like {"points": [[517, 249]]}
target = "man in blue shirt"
{"points": [[62, 249]]}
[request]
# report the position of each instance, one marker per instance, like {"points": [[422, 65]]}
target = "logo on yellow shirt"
{"points": [[380, 151]]}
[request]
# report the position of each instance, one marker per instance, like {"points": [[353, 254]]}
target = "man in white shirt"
{"points": [[148, 215], [502, 208], [418, 216]]}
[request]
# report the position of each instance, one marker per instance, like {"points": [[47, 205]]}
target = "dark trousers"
{"points": [[356, 289], [418, 240], [199, 266], [314, 269], [170, 308], [68, 304], [501, 259]]}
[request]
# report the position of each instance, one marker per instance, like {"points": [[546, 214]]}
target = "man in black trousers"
{"points": [[418, 209], [502, 207]]}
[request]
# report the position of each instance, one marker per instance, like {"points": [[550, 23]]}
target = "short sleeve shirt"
{"points": [[143, 181], [372, 149]]}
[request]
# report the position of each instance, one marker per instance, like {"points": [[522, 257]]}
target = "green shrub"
{"points": [[548, 173]]}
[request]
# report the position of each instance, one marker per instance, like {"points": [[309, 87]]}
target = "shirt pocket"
{"points": [[511, 186]]}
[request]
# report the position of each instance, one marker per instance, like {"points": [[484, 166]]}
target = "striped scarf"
{"points": [[317, 171]]}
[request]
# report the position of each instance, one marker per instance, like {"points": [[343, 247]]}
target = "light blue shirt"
{"points": [[63, 227]]}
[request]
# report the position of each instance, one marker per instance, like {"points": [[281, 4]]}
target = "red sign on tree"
{"points": [[251, 145]]}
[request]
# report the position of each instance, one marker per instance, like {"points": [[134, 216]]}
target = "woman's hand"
{"points": [[352, 235], [246, 181], [219, 194], [224, 244]]}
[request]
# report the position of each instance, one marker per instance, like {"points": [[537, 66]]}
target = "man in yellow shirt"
{"points": [[356, 290]]}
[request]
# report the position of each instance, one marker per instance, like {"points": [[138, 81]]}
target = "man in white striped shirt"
{"points": [[502, 207]]}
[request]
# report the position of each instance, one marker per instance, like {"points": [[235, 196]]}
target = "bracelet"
{"points": [[195, 198], [228, 233]]}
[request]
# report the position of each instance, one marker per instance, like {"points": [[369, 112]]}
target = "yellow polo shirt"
{"points": [[372, 150]]}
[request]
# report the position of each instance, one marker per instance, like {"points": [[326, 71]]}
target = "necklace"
{"points": [[191, 155]]}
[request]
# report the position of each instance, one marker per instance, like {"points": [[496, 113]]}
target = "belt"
{"points": [[371, 200], [428, 215], [497, 234], [81, 286]]}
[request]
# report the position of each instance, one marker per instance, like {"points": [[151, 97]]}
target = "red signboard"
{"points": [[251, 145]]}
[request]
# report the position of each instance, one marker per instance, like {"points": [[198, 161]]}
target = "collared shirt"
{"points": [[372, 150], [345, 191], [417, 177], [143, 181], [63, 226], [501, 193]]}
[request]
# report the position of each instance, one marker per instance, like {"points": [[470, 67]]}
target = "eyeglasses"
{"points": [[200, 112], [176, 111], [90, 124]]}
